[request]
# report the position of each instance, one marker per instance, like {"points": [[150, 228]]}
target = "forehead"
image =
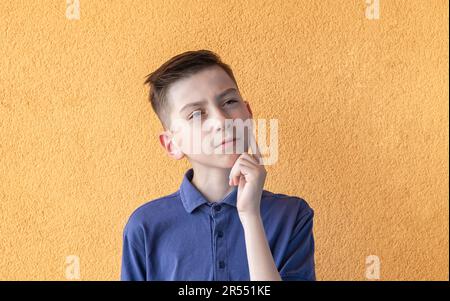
{"points": [[203, 85]]}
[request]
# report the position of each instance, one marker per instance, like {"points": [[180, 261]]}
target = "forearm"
{"points": [[260, 260]]}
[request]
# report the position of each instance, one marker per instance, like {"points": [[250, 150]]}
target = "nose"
{"points": [[220, 118]]}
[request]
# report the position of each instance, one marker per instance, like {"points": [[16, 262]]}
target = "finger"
{"points": [[244, 171], [241, 167], [249, 157], [255, 149], [236, 173], [249, 162], [233, 171]]}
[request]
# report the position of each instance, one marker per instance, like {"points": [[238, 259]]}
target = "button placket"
{"points": [[220, 244]]}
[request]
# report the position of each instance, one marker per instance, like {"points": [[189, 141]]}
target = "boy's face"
{"points": [[202, 108]]}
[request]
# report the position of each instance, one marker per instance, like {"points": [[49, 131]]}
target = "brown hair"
{"points": [[178, 67]]}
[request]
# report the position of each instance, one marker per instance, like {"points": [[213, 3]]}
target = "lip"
{"points": [[228, 141]]}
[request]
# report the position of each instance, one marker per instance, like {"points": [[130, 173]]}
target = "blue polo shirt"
{"points": [[183, 236]]}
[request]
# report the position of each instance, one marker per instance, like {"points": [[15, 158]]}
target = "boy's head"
{"points": [[193, 87]]}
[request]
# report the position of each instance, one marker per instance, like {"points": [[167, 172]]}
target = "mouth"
{"points": [[227, 142]]}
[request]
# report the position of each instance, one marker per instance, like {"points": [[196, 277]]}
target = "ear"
{"points": [[167, 141], [249, 109]]}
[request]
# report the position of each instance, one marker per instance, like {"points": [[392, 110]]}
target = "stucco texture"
{"points": [[363, 125]]}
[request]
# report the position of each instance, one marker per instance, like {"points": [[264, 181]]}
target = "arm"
{"points": [[260, 260], [298, 260], [250, 175], [133, 258]]}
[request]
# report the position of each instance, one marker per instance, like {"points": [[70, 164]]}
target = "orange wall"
{"points": [[363, 125]]}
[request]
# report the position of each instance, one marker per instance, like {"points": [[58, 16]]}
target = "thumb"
{"points": [[242, 182]]}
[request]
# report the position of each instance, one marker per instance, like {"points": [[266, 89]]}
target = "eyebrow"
{"points": [[218, 97]]}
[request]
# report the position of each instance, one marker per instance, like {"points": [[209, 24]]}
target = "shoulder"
{"points": [[151, 212], [283, 203]]}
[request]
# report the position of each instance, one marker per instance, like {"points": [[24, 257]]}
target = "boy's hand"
{"points": [[250, 176]]}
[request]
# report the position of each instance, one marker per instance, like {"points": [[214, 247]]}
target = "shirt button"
{"points": [[220, 234], [218, 208], [221, 264]]}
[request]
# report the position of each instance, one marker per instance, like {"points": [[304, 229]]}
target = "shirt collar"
{"points": [[192, 198]]}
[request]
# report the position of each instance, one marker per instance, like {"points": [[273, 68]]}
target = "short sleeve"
{"points": [[298, 260], [133, 256]]}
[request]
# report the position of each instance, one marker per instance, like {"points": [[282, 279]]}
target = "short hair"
{"points": [[178, 67]]}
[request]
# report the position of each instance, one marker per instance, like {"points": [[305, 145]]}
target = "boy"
{"points": [[221, 224]]}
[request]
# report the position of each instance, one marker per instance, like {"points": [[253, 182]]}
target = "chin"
{"points": [[225, 161]]}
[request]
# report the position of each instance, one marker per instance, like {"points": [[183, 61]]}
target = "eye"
{"points": [[229, 102], [195, 113]]}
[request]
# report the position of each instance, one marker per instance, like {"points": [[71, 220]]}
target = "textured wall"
{"points": [[363, 125]]}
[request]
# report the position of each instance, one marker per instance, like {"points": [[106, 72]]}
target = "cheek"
{"points": [[193, 141], [184, 140], [241, 112]]}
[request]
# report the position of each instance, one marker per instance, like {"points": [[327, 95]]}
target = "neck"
{"points": [[212, 182]]}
